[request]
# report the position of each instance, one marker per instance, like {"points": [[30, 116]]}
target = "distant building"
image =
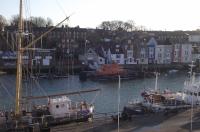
{"points": [[195, 54], [182, 53], [129, 55], [143, 54], [89, 56], [194, 38], [151, 50], [117, 54], [164, 53]]}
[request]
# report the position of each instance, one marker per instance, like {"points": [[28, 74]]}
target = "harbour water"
{"points": [[104, 101]]}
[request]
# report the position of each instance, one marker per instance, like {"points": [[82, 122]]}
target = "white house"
{"points": [[176, 53], [143, 59], [164, 54], [89, 56], [186, 53], [151, 50], [194, 38], [129, 56], [182, 53], [117, 55]]}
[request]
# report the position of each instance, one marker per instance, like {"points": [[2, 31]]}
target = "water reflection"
{"points": [[106, 101]]}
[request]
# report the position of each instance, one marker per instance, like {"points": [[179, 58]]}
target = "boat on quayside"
{"points": [[191, 90], [154, 100], [59, 108]]}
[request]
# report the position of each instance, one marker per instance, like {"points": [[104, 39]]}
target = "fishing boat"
{"points": [[59, 108], [154, 100], [190, 93]]}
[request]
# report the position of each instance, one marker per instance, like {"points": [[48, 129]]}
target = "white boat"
{"points": [[191, 90], [190, 93]]}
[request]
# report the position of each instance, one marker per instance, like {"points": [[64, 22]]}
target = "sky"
{"points": [[153, 14]]}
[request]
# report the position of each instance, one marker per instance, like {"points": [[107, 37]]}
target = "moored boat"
{"points": [[111, 72], [190, 93], [154, 100], [60, 108]]}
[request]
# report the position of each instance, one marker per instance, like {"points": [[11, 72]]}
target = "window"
{"points": [[118, 56], [57, 106], [151, 49], [142, 55]]}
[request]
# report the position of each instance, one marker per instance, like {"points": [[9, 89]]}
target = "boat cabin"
{"points": [[60, 106]]}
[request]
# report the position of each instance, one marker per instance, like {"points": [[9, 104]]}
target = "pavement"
{"points": [[157, 122]]}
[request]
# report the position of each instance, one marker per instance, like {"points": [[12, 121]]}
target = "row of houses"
{"points": [[98, 46], [44, 58], [147, 51]]}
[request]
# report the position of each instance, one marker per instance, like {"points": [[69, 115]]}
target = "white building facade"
{"points": [[164, 54], [118, 58], [129, 57], [143, 56], [182, 53], [186, 53]]}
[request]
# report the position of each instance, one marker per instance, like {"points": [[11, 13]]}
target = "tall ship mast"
{"points": [[19, 62], [59, 108]]}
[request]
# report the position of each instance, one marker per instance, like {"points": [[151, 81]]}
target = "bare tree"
{"points": [[14, 20], [141, 28], [131, 25], [3, 22], [106, 25], [118, 25], [49, 22], [38, 21]]}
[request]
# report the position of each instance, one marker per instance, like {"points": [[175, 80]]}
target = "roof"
{"points": [[164, 42]]}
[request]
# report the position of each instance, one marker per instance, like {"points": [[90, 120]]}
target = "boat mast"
{"points": [[118, 113], [20, 51], [156, 82], [192, 80], [19, 63]]}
